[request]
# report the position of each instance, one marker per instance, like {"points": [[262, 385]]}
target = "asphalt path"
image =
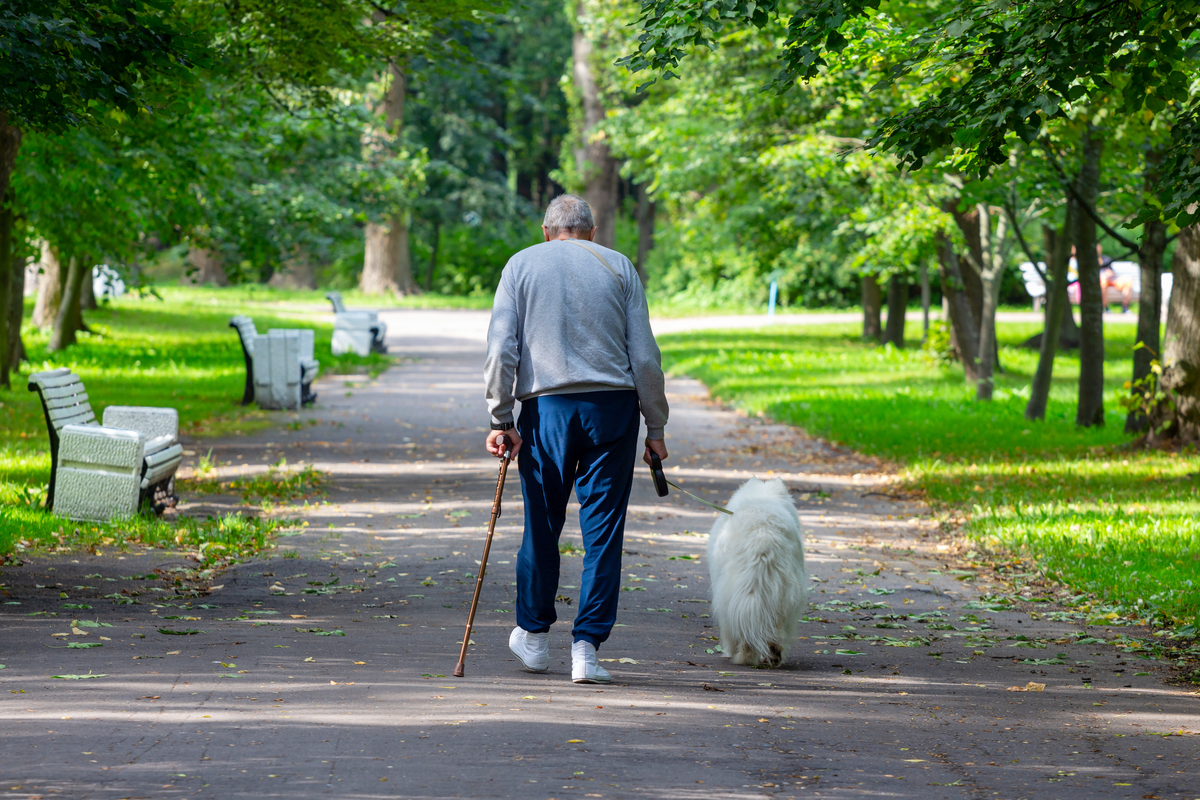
{"points": [[325, 669]]}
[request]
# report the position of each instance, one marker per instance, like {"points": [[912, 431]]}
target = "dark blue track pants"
{"points": [[588, 440]]}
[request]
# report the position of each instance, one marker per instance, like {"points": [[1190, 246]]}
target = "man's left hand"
{"points": [[512, 442]]}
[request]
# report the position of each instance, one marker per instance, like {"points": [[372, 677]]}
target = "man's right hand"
{"points": [[658, 447], [512, 442]]}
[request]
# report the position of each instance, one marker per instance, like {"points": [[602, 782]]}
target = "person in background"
{"points": [[1109, 277]]}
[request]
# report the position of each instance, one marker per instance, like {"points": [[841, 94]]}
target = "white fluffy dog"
{"points": [[756, 564]]}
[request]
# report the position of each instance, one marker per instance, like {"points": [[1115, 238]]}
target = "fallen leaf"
{"points": [[77, 677], [576, 741], [298, 616], [310, 658], [1035, 687], [174, 652], [360, 662]]}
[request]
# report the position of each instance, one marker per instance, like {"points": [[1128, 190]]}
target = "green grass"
{"points": [[1103, 519], [177, 352]]}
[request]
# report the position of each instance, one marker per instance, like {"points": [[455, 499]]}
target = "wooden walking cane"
{"points": [[487, 547]]}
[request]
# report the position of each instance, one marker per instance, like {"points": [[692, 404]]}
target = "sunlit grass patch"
{"points": [[211, 541], [277, 485], [1103, 519], [178, 352]]}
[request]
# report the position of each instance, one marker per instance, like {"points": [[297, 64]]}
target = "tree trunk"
{"points": [[204, 267], [1179, 417], [962, 321], [598, 170], [1150, 256], [87, 296], [434, 244], [646, 210], [1058, 307], [10, 316], [992, 264], [296, 273], [16, 312], [70, 316], [8, 270], [10, 143], [1154, 242], [1068, 335], [50, 288], [872, 300], [1091, 299], [897, 305], [387, 263], [923, 276]]}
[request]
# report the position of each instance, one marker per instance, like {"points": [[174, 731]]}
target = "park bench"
{"points": [[1034, 283], [1125, 271], [358, 332], [280, 367], [98, 472]]}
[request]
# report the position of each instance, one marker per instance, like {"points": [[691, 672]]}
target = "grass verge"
{"points": [[1117, 524], [177, 352]]}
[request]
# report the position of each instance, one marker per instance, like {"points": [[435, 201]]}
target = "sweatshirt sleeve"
{"points": [[645, 359], [503, 353]]}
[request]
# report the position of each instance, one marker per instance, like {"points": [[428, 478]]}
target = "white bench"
{"points": [[99, 472], [1034, 283], [1124, 270], [358, 332], [280, 367]]}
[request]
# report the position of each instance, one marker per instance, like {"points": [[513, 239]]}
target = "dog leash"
{"points": [[661, 482]]}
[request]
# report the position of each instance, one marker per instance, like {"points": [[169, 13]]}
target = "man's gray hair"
{"points": [[568, 213]]}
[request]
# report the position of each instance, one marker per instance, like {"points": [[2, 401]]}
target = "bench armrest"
{"points": [[91, 446], [150, 422]]}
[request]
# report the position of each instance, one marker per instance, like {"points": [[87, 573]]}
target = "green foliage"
{"points": [[1117, 523], [976, 76], [66, 62]]}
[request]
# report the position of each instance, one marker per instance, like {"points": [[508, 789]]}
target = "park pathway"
{"points": [[324, 671]]}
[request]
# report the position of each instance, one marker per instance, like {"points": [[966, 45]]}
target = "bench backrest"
{"points": [[1130, 271], [336, 299], [64, 399], [246, 331], [1033, 281]]}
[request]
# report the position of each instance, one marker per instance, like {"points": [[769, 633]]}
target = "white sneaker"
{"points": [[533, 649], [585, 667]]}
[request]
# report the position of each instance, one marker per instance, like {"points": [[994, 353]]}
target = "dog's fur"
{"points": [[756, 564]]}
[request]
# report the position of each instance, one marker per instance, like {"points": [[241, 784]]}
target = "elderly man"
{"points": [[570, 339]]}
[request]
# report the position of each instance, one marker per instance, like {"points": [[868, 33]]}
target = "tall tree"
{"points": [[1178, 416], [66, 63], [1150, 299], [1058, 307], [387, 262], [596, 168], [1091, 296]]}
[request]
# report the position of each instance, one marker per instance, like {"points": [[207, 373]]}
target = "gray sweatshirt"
{"points": [[565, 323]]}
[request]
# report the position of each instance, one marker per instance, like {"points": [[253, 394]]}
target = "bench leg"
{"points": [[160, 496]]}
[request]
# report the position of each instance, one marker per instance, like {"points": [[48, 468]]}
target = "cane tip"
{"points": [[459, 670]]}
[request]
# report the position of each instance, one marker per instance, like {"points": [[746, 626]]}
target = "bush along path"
{"points": [[324, 669]]}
